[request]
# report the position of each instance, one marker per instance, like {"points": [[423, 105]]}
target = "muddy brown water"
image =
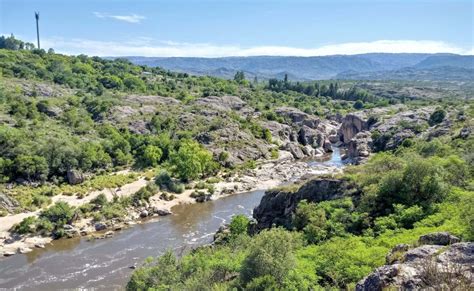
{"points": [[105, 264]]}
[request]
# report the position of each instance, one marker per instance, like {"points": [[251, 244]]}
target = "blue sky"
{"points": [[255, 27]]}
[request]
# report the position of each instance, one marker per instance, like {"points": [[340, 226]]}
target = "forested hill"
{"points": [[318, 68]]}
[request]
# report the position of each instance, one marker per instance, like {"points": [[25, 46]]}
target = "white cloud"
{"points": [[143, 46], [133, 18]]}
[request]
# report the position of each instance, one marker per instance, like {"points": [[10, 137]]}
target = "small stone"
{"points": [[24, 250], [144, 213], [100, 226], [8, 253], [39, 245]]}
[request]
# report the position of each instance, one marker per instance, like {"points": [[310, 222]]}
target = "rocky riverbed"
{"points": [[266, 175]]}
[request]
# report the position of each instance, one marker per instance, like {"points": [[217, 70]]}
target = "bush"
{"points": [[239, 224], [27, 225], [59, 214], [437, 117], [272, 253], [163, 179]]}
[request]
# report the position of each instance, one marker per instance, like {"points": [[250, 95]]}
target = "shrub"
{"points": [[271, 254], [59, 214], [239, 224], [26, 225], [437, 117]]}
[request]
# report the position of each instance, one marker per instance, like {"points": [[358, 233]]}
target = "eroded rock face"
{"points": [[434, 267], [359, 147], [351, 125], [7, 203], [277, 207]]}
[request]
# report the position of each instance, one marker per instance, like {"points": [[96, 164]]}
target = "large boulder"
{"points": [[351, 125], [75, 177], [295, 149], [431, 267], [438, 238], [358, 148]]}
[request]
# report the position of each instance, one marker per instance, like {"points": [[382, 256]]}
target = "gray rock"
{"points": [[8, 253], [431, 267], [420, 253], [358, 148], [438, 238], [465, 132], [75, 177], [144, 213], [295, 150], [162, 212], [100, 226], [8, 203], [297, 116], [351, 125], [327, 146]]}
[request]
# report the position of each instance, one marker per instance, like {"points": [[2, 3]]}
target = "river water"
{"points": [[105, 264]]}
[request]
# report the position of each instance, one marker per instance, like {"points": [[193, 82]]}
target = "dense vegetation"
{"points": [[421, 187]]}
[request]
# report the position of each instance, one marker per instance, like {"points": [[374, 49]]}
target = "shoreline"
{"points": [[267, 175]]}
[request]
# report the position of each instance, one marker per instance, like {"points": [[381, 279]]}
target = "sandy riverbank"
{"points": [[267, 175]]}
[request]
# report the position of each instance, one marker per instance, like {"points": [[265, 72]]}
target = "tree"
{"points": [[31, 167], [192, 160], [239, 224], [152, 155], [239, 77], [271, 254]]}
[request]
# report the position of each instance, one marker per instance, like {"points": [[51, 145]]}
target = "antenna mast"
{"points": [[37, 15]]}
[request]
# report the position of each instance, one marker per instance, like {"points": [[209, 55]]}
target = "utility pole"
{"points": [[37, 16]]}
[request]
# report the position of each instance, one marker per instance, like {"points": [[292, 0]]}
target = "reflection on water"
{"points": [[104, 264]]}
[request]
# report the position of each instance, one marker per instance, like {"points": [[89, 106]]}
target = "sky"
{"points": [[217, 28]]}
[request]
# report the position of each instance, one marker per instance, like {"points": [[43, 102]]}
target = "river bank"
{"points": [[265, 176]]}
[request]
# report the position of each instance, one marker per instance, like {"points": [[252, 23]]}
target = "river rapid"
{"points": [[105, 264]]}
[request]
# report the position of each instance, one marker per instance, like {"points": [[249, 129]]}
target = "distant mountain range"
{"points": [[377, 66]]}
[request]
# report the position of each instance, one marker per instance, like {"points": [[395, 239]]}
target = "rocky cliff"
{"points": [[278, 206]]}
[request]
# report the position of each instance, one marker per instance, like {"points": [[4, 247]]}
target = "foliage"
{"points": [[192, 161]]}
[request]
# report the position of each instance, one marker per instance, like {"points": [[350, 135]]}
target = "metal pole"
{"points": [[37, 28]]}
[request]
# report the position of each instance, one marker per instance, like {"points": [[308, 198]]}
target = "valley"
{"points": [[244, 183]]}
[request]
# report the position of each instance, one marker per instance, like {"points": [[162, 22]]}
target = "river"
{"points": [[105, 264]]}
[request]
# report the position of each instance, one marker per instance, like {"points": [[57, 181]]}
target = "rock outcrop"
{"points": [[7, 203], [359, 147], [435, 266], [278, 206], [351, 125]]}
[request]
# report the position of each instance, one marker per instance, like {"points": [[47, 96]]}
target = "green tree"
{"points": [[239, 224], [239, 77], [31, 167], [152, 155], [272, 253], [192, 160]]}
